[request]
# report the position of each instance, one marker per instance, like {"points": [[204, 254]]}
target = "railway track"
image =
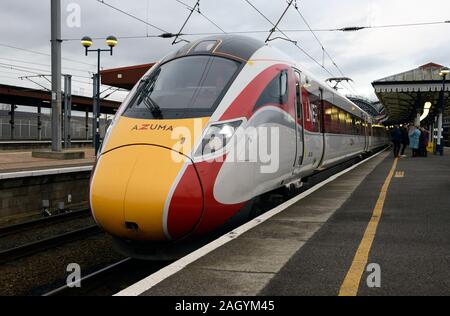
{"points": [[111, 279], [90, 278], [46, 244], [42, 222]]}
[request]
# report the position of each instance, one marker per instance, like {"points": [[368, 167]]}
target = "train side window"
{"points": [[335, 119], [276, 91], [283, 84], [342, 122], [358, 126], [298, 94], [284, 87], [349, 123], [328, 123]]}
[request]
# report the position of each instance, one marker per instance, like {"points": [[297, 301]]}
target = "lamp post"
{"points": [[87, 42], [440, 144]]}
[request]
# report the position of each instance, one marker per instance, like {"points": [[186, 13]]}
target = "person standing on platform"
{"points": [[405, 140], [396, 135], [423, 144], [414, 137]]}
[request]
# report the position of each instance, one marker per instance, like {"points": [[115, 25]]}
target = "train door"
{"points": [[300, 132], [366, 133], [321, 127], [312, 99], [321, 119]]}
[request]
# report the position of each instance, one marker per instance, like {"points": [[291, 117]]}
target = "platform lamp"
{"points": [[440, 144], [87, 42]]}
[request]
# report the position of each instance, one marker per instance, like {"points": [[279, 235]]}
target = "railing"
{"points": [[26, 129]]}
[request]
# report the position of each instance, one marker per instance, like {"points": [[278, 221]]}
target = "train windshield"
{"points": [[186, 87]]}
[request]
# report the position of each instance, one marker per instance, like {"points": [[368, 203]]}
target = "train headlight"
{"points": [[217, 137]]}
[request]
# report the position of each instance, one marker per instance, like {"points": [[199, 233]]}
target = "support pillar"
{"points": [[96, 115], [56, 74], [440, 145], [67, 111], [418, 109], [11, 119], [417, 120], [39, 121]]}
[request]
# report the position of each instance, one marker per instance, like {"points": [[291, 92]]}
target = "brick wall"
{"points": [[24, 195]]}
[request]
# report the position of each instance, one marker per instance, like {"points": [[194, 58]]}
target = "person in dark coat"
{"points": [[405, 140], [396, 136], [423, 142]]}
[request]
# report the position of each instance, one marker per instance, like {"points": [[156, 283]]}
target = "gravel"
{"points": [[40, 273], [40, 233]]}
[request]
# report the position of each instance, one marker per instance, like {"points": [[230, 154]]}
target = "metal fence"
{"points": [[27, 128]]}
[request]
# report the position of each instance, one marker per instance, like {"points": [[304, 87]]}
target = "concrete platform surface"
{"points": [[411, 245], [309, 248], [59, 155], [16, 161], [246, 265]]}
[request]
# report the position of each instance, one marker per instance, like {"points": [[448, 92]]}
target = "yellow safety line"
{"points": [[351, 282]]}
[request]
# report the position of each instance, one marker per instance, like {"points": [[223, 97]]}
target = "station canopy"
{"points": [[124, 77], [404, 95], [35, 98]]}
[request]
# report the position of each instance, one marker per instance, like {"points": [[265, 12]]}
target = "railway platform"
{"points": [[30, 186], [22, 161], [380, 229], [7, 145]]}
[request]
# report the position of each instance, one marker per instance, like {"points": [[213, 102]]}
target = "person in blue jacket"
{"points": [[414, 137]]}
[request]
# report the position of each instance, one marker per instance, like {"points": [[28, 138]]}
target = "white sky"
{"points": [[365, 56]]}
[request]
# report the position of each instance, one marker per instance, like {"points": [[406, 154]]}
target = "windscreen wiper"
{"points": [[153, 107], [144, 83], [144, 92]]}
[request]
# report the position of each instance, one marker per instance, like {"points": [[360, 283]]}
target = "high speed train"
{"points": [[211, 127]]}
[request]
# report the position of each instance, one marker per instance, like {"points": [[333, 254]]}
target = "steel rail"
{"points": [[46, 244]]}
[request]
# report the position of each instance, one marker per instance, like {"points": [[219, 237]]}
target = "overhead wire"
{"points": [[132, 16], [324, 50], [36, 74], [166, 34], [203, 15], [279, 20], [32, 70], [41, 64], [289, 39], [177, 35], [42, 53], [343, 29]]}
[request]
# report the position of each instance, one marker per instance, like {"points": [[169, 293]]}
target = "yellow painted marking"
{"points": [[400, 174], [351, 282]]}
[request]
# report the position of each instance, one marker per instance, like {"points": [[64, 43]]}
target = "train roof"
{"points": [[231, 46], [242, 48]]}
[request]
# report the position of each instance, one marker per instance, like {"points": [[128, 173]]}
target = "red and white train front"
{"points": [[210, 127]]}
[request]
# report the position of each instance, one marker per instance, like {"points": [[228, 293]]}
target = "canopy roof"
{"points": [[124, 77], [33, 97], [405, 94]]}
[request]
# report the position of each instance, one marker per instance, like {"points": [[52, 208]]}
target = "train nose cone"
{"points": [[130, 190]]}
